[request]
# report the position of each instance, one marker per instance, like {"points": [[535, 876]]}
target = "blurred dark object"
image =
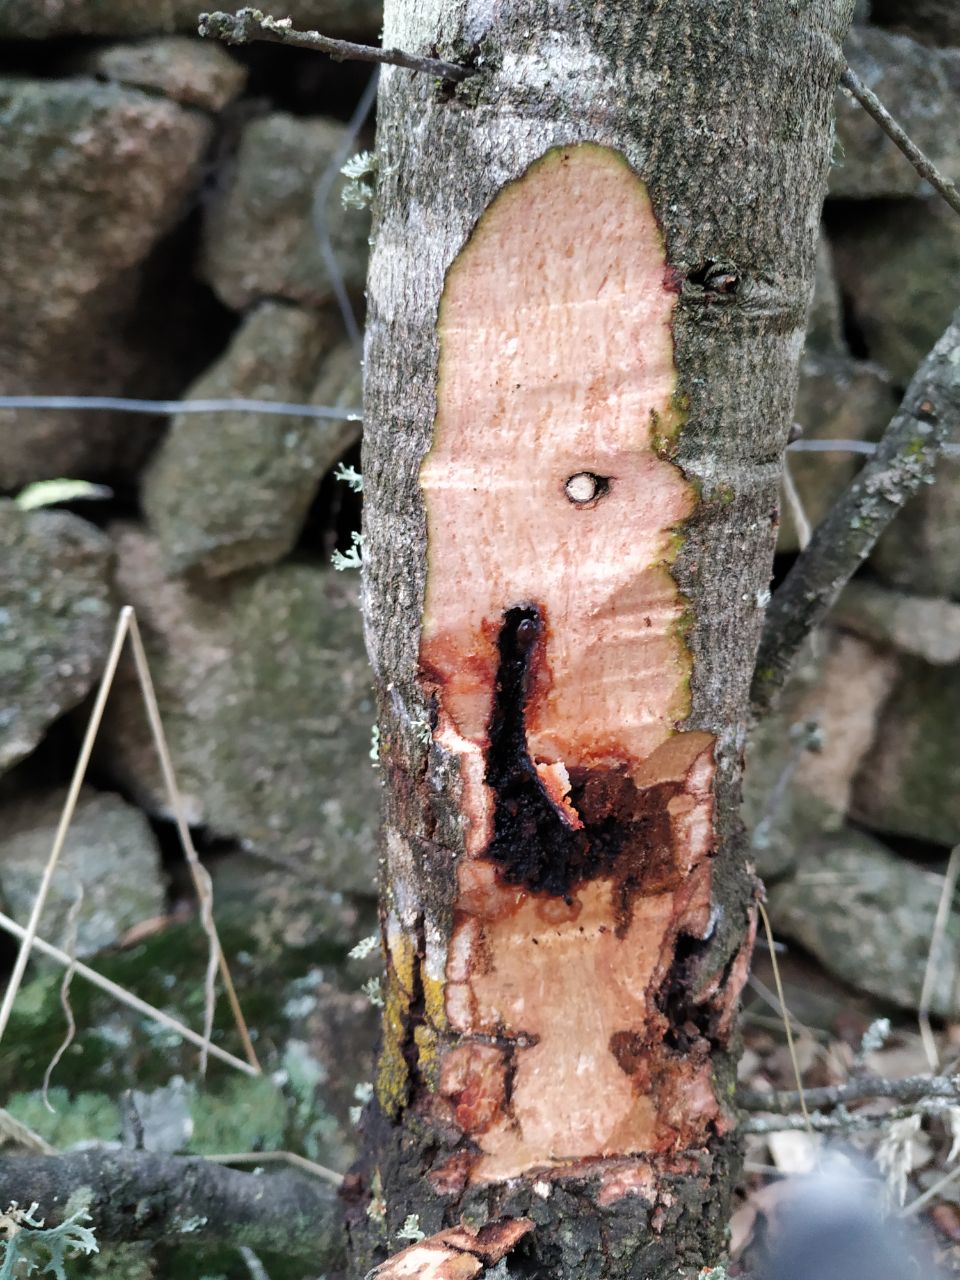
{"points": [[835, 1227]]}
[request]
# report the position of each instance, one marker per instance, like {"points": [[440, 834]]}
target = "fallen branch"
{"points": [[248, 25], [138, 1195], [898, 135], [904, 460], [911, 1089], [841, 1120]]}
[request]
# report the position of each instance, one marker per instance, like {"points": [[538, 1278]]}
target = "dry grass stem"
{"points": [[70, 804], [786, 1018], [944, 907], [127, 997], [67, 1041], [280, 1157]]}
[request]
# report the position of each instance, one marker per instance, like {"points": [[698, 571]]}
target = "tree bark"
{"points": [[587, 298]]}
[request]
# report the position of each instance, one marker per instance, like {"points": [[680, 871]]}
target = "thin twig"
{"points": [[321, 223], [13, 1130], [797, 513], [125, 997], [247, 25], [924, 1199], [280, 1157], [198, 872], [862, 1089], [944, 907], [256, 1268], [905, 459], [839, 1121], [70, 804], [71, 938], [896, 133], [783, 1005]]}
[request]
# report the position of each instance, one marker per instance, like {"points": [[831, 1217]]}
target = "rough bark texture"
{"points": [[563, 671]]}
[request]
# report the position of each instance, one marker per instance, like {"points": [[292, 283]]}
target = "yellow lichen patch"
{"points": [[392, 1070]]}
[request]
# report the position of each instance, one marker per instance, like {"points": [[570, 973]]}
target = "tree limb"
{"points": [[138, 1195], [898, 135], [910, 1089], [840, 1120], [904, 460], [248, 25]]}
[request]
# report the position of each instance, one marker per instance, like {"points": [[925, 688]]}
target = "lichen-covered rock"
{"points": [[194, 73], [933, 21], [30, 20], [56, 620], [868, 917], [93, 175], [909, 783], [265, 694], [261, 237], [110, 854], [919, 625], [838, 398], [920, 87], [899, 265], [230, 491], [802, 760]]}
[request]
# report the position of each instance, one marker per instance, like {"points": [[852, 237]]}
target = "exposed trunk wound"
{"points": [[553, 649]]}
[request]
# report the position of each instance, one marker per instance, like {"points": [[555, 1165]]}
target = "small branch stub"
{"points": [[248, 25]]}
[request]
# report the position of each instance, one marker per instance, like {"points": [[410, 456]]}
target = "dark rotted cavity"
{"points": [[688, 1022], [624, 828]]}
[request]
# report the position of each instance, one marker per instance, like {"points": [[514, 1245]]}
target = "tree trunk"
{"points": [[587, 299]]}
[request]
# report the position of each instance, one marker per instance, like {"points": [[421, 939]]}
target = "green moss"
{"points": [[75, 1118]]}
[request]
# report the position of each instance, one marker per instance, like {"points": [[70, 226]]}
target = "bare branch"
{"points": [[248, 25], [904, 460], [840, 1120], [139, 1195], [910, 1089], [922, 163]]}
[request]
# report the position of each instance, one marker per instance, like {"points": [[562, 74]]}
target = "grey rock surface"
{"points": [[934, 21], [229, 491], [265, 695], [922, 626], [193, 72], [920, 87], [28, 19], [56, 620], [898, 262], [261, 233], [909, 783], [803, 759], [868, 916], [111, 855], [838, 398], [93, 176]]}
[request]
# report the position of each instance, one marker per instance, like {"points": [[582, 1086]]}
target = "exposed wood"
{"points": [[586, 304], [457, 1254]]}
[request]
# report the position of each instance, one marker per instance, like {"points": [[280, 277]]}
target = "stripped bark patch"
{"points": [[456, 1254], [553, 651]]}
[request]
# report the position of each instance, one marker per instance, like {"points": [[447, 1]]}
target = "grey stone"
{"points": [[934, 21], [56, 620], [260, 235], [920, 550], [803, 759], [194, 73], [920, 87], [899, 265], [265, 694], [28, 19], [838, 398], [909, 783], [825, 316], [868, 917], [229, 491], [93, 175], [110, 854], [918, 625]]}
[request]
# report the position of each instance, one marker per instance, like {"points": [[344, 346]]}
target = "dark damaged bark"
{"points": [[591, 267]]}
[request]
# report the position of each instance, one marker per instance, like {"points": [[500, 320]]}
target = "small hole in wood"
{"points": [[585, 488]]}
